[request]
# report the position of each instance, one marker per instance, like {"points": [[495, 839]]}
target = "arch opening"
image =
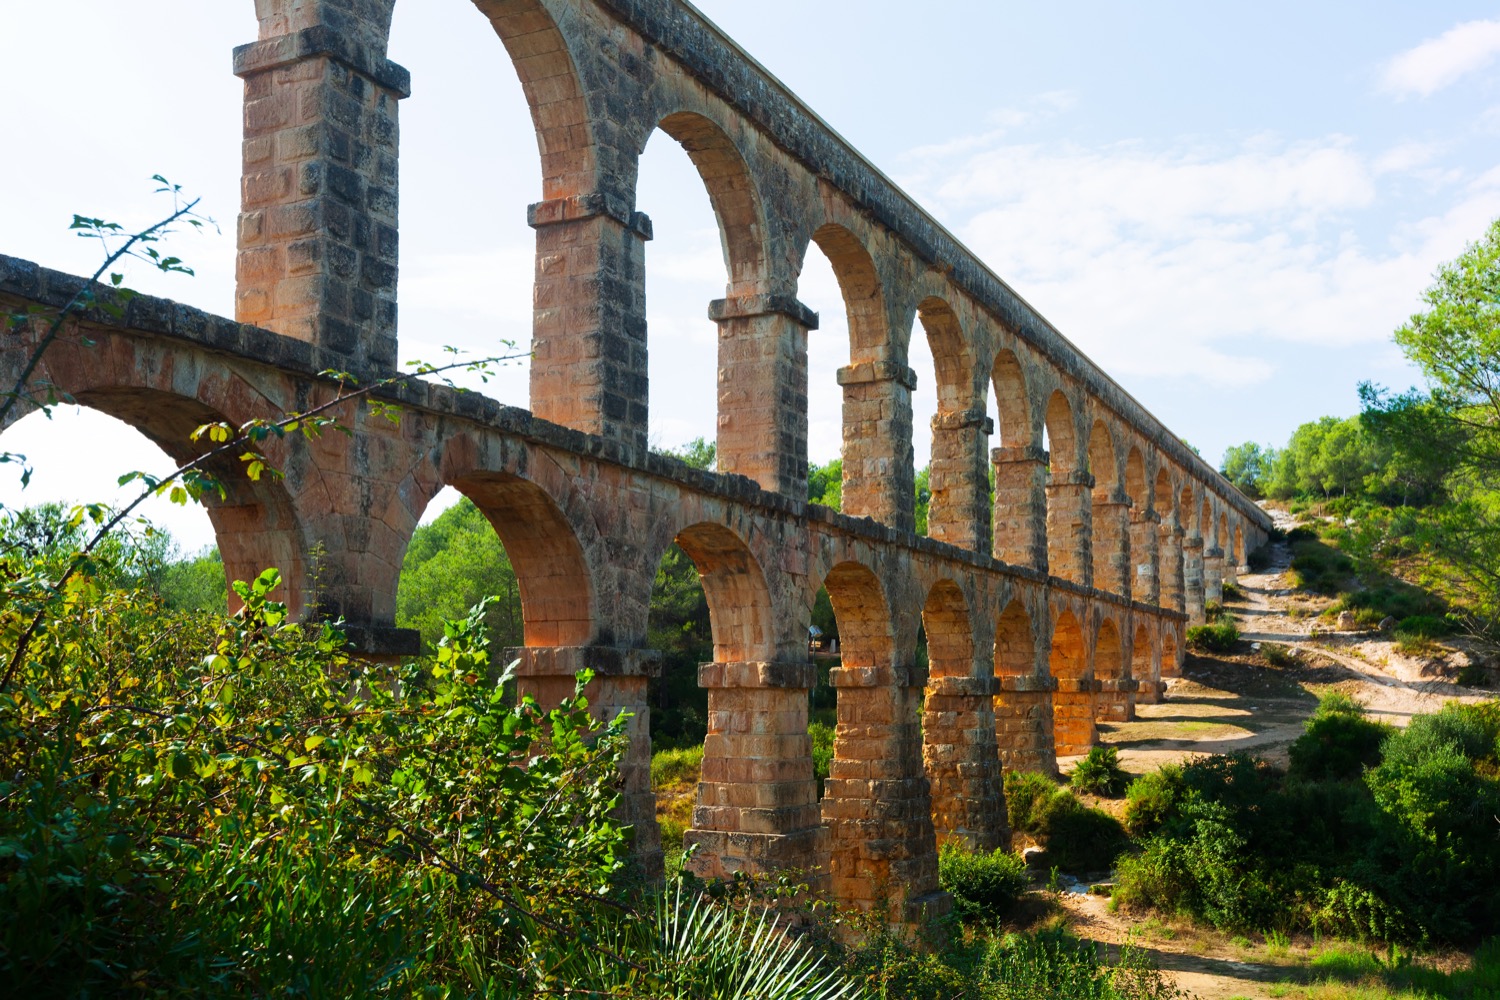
{"points": [[1164, 505], [1012, 402], [1073, 703], [1062, 448], [552, 576], [77, 456], [688, 628], [1135, 479]]}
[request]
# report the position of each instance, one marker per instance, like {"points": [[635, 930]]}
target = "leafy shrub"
{"points": [[1218, 638], [1151, 798], [1077, 837], [261, 809], [1080, 839], [1259, 560], [1424, 626], [1473, 674], [1158, 877], [1026, 795], [1337, 742], [1098, 773], [984, 886], [1233, 591]]}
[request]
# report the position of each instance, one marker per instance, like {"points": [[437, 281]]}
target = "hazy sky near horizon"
{"points": [[1228, 208]]}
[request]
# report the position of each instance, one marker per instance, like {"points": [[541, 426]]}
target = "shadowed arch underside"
{"points": [[557, 594], [1073, 704], [958, 725], [1023, 696], [1069, 498], [876, 807], [1114, 701]]}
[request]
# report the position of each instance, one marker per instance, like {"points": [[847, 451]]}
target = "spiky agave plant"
{"points": [[693, 947]]}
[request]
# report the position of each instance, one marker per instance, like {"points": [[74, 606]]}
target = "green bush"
{"points": [[1026, 795], [1157, 878], [1337, 742], [1233, 591], [1150, 799], [1424, 626], [261, 809], [1219, 638], [984, 886], [1080, 839], [1098, 773]]}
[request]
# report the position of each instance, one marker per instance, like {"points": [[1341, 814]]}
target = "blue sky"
{"points": [[1228, 208]]}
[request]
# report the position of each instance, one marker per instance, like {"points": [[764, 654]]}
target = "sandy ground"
{"points": [[1223, 704]]}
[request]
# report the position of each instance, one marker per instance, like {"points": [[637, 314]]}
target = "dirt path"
{"points": [[1224, 704]]}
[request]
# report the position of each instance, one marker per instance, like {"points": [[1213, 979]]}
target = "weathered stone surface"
{"points": [[1078, 614]]}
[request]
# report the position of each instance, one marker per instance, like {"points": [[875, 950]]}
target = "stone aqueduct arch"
{"points": [[1059, 603]]}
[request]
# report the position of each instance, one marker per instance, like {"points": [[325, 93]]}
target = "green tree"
{"points": [[699, 453], [825, 483], [1455, 424], [452, 564], [923, 488], [1246, 465]]}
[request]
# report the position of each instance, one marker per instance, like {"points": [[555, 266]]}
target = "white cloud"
{"points": [[1442, 61], [1184, 261]]}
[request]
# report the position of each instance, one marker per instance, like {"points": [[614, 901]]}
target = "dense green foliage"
{"points": [[1338, 742], [1417, 473], [1214, 637], [1099, 773], [451, 565], [1043, 966], [1077, 838], [984, 886], [1405, 850], [1150, 799], [374, 820]]}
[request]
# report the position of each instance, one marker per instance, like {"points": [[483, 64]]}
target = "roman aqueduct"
{"points": [[1062, 602]]}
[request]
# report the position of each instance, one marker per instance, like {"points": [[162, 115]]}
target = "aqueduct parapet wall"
{"points": [[1057, 601]]}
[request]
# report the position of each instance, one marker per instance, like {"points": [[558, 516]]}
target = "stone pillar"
{"points": [[1115, 701], [959, 513], [317, 230], [1069, 536], [963, 767], [1151, 690], [875, 802], [1073, 715], [1171, 567], [1110, 537], [588, 363], [763, 390], [621, 677], [1213, 575], [878, 462], [1192, 580], [757, 805], [1023, 723], [1021, 506], [1146, 557]]}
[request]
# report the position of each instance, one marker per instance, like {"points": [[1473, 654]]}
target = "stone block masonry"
{"points": [[1055, 599]]}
